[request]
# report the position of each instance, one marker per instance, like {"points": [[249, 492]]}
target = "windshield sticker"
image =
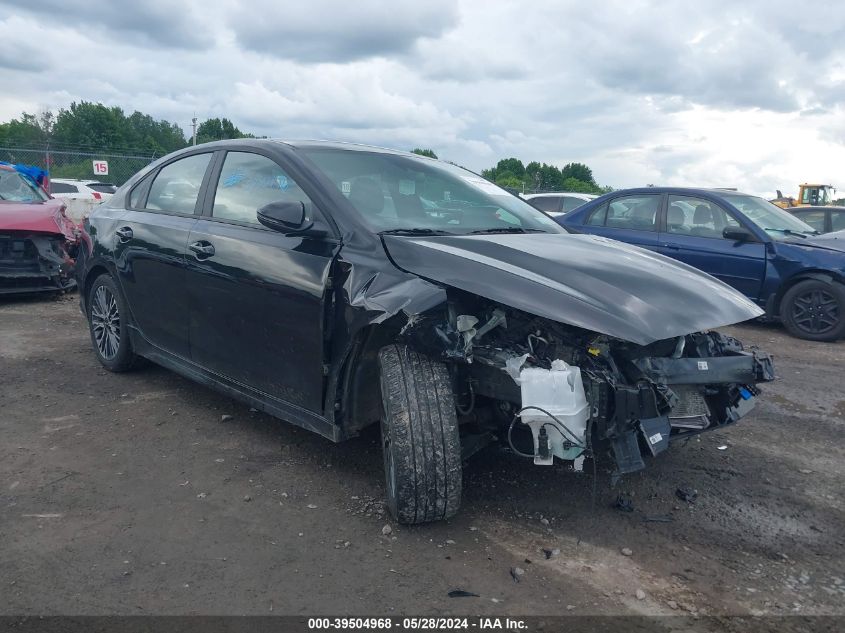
{"points": [[346, 187], [235, 178], [243, 181], [447, 195], [485, 186], [407, 187]]}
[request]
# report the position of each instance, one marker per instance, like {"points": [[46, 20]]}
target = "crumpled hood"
{"points": [[584, 280], [37, 217]]}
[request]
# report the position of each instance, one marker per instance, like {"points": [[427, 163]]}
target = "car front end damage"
{"points": [[591, 345], [580, 392], [38, 247], [35, 262]]}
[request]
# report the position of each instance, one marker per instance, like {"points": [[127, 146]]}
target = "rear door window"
{"points": [[687, 215], [637, 212], [837, 220], [62, 187], [177, 185], [571, 203], [598, 216], [549, 204]]}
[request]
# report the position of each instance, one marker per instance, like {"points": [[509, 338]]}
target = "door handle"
{"points": [[672, 247], [203, 249], [124, 234]]}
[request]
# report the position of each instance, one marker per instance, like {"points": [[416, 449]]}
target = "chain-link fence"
{"points": [[113, 167]]}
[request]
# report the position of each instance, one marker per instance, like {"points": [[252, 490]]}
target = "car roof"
{"points": [[713, 191], [77, 181], [302, 144], [360, 147]]}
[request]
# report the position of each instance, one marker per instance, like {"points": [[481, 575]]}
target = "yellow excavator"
{"points": [[808, 196]]}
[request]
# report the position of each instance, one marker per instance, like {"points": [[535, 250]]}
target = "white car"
{"points": [[557, 203], [81, 195], [81, 189]]}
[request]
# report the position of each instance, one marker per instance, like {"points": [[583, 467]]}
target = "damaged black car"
{"points": [[337, 286]]}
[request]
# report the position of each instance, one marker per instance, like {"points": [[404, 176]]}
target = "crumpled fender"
{"points": [[385, 292]]}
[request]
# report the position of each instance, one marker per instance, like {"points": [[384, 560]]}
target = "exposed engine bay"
{"points": [[580, 392]]}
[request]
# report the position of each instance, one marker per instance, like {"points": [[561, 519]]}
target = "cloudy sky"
{"points": [[748, 94]]}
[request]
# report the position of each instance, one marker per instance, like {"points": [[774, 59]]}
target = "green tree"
{"points": [[536, 176], [424, 152], [30, 130], [510, 181], [578, 186], [160, 137], [96, 126], [219, 129], [88, 124], [489, 174], [512, 165], [579, 171]]}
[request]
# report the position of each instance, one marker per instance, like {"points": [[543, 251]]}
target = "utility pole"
{"points": [[194, 126]]}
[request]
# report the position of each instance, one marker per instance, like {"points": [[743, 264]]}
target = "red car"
{"points": [[38, 242]]}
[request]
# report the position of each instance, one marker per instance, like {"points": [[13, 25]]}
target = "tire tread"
{"points": [[419, 407]]}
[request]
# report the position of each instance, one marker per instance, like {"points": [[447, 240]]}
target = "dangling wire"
{"points": [[574, 438]]}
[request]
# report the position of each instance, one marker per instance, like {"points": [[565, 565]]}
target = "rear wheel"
{"points": [[420, 441], [107, 323], [814, 310]]}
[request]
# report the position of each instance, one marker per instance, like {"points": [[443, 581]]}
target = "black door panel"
{"points": [[257, 308], [150, 260]]}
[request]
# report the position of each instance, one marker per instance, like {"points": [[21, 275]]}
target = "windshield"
{"points": [[774, 220], [402, 194], [15, 187]]}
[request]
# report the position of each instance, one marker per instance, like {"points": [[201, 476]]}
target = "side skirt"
{"points": [[257, 399]]}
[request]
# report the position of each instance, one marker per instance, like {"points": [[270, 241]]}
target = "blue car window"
{"points": [[598, 216], [637, 212], [837, 218], [697, 217]]}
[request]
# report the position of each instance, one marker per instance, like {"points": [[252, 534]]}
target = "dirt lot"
{"points": [[132, 494]]}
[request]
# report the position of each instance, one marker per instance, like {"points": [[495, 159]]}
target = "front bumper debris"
{"points": [[35, 263]]}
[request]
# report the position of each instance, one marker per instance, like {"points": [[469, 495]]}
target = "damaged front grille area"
{"points": [[637, 397], [34, 262], [691, 410]]}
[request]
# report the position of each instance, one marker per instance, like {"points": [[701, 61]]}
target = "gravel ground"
{"points": [[133, 494]]}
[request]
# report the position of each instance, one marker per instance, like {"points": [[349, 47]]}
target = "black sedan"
{"points": [[336, 286]]}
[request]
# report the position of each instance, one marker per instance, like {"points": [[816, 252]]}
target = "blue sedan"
{"points": [[771, 256]]}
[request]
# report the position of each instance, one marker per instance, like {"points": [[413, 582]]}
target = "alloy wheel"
{"points": [[816, 311], [105, 322]]}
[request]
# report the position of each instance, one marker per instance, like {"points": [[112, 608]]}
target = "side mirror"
{"points": [[286, 217], [737, 233]]}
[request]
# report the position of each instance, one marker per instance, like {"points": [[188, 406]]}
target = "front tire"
{"points": [[814, 310], [420, 440], [107, 323]]}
